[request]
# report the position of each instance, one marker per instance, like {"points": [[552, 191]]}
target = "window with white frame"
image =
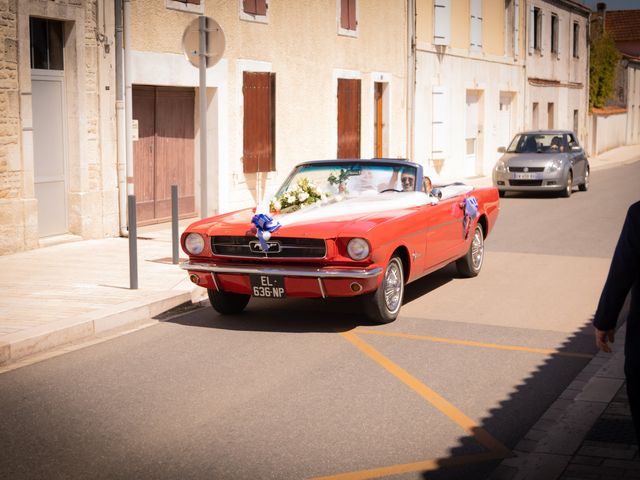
{"points": [[254, 10], [555, 33], [347, 17], [442, 22], [536, 29]]}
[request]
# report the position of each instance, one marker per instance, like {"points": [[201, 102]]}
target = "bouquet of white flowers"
{"points": [[305, 193]]}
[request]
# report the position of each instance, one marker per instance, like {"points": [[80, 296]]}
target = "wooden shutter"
{"points": [[439, 121], [442, 22], [255, 7], [259, 122], [348, 118], [516, 28], [532, 33], [476, 23], [348, 14]]}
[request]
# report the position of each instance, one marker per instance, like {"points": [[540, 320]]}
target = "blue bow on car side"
{"points": [[470, 213]]}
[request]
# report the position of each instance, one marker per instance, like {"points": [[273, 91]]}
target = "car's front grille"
{"points": [[525, 183], [280, 247], [526, 169]]}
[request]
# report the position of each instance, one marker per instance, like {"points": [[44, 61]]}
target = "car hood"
{"points": [[530, 159], [351, 216]]}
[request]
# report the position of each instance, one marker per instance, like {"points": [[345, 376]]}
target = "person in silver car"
{"points": [[544, 160]]}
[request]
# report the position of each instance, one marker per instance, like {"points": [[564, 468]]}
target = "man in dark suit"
{"points": [[624, 275]]}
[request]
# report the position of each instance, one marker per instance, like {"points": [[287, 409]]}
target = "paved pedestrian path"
{"points": [[79, 290]]}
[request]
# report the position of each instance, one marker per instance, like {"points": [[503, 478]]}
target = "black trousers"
{"points": [[633, 392]]}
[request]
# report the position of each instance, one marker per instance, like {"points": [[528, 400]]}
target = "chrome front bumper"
{"points": [[323, 272]]}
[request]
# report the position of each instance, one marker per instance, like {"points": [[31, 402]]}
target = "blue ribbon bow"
{"points": [[470, 213], [264, 223]]}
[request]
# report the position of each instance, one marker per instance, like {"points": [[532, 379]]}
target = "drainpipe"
{"points": [[128, 122], [411, 74], [120, 124]]}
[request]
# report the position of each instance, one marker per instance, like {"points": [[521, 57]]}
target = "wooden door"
{"points": [[378, 122], [348, 118], [164, 152]]}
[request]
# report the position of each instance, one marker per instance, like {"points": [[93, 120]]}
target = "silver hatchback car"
{"points": [[544, 160]]}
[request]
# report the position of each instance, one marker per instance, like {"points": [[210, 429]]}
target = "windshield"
{"points": [[538, 143], [311, 183]]}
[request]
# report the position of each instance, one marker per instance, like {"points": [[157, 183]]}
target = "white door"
{"points": [[471, 135], [49, 151]]}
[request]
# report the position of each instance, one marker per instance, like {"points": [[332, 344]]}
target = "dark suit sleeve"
{"points": [[625, 266]]}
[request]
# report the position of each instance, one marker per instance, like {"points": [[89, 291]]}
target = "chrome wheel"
{"points": [[585, 185], [392, 286], [569, 187], [477, 249]]}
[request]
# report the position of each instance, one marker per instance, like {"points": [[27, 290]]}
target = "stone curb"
{"points": [[17, 346], [546, 450]]}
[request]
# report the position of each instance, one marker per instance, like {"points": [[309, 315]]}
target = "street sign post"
{"points": [[203, 44]]}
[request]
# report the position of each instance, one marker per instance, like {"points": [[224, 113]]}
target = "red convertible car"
{"points": [[341, 228]]}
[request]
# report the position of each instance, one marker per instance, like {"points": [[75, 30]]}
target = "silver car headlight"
{"points": [[501, 166], [358, 248], [554, 165], [194, 243]]}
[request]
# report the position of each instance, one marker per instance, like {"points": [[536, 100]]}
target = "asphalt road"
{"points": [[307, 388]]}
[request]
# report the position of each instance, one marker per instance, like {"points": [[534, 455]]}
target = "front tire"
{"points": [[584, 186], [471, 264], [384, 304], [228, 303], [502, 193], [568, 189]]}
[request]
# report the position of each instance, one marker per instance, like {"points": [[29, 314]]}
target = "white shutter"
{"points": [[516, 28], [541, 21], [439, 123], [532, 33], [442, 22], [476, 24], [559, 37]]}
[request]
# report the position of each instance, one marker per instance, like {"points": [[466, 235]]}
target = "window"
{"points": [[442, 22], [534, 116], [550, 115], [536, 30], [575, 121], [511, 27], [190, 6], [554, 33], [254, 7], [47, 44], [258, 89], [576, 40], [476, 24], [348, 17]]}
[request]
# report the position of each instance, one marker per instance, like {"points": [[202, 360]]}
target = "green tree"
{"points": [[602, 71]]}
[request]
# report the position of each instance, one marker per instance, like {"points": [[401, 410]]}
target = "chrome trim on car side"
{"points": [[288, 271], [324, 295], [215, 282]]}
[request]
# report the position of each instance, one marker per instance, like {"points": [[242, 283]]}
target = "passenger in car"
{"points": [[556, 144]]}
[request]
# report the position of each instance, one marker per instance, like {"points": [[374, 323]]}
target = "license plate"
{"points": [[267, 286], [525, 176]]}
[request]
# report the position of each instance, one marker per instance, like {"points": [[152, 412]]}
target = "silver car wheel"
{"points": [[477, 249], [392, 286]]}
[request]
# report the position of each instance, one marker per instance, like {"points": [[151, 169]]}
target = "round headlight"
{"points": [[194, 243], [358, 248]]}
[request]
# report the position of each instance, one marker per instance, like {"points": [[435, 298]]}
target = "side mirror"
{"points": [[502, 149], [576, 148]]}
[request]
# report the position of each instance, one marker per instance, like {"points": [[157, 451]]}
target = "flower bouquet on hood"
{"points": [[306, 193]]}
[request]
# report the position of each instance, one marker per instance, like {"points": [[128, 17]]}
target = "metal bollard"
{"points": [[174, 222], [133, 242]]}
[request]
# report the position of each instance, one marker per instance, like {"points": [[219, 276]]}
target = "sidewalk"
{"points": [[79, 291]]}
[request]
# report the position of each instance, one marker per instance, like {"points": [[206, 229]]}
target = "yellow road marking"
{"points": [[426, 465], [469, 343], [480, 434]]}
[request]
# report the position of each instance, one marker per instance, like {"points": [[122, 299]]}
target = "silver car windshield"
{"points": [[539, 143]]}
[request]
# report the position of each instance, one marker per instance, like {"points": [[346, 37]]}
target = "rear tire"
{"points": [[384, 304], [228, 303], [471, 264]]}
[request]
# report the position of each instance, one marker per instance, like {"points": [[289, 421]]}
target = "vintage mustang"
{"points": [[341, 228]]}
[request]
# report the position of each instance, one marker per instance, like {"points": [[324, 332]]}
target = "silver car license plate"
{"points": [[525, 176]]}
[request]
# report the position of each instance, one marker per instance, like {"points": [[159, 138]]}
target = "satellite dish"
{"points": [[214, 44]]}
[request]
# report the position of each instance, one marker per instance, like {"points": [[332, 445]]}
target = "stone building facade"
{"points": [[57, 132]]}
